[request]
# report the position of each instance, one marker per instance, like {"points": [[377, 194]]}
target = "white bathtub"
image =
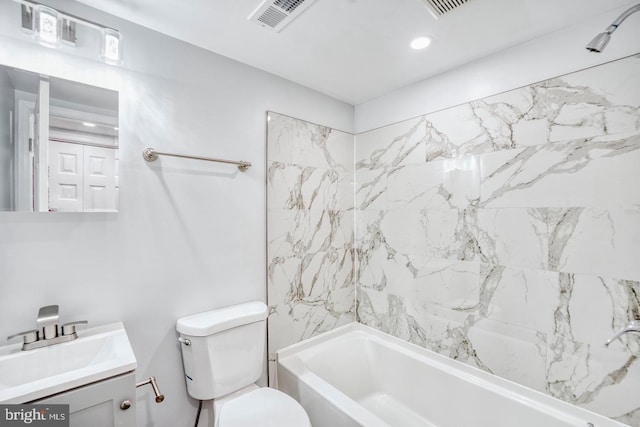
{"points": [[357, 376]]}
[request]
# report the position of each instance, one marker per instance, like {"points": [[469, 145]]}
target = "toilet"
{"points": [[223, 353]]}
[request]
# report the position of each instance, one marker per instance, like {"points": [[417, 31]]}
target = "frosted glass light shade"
{"points": [[111, 50], [47, 24]]}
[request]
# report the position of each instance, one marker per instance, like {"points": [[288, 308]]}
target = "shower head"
{"points": [[599, 43]]}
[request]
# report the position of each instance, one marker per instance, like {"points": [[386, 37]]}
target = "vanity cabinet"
{"points": [[99, 404]]}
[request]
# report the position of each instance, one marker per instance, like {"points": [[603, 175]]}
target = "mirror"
{"points": [[58, 144]]}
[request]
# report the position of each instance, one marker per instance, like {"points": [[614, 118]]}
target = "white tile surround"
{"points": [[310, 230], [504, 233]]}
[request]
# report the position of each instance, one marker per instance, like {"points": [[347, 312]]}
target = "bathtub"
{"points": [[358, 376]]}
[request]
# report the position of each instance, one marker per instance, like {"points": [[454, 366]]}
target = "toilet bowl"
{"points": [[259, 406], [223, 354]]}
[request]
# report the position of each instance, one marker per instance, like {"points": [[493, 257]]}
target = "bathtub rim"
{"points": [[289, 358]]}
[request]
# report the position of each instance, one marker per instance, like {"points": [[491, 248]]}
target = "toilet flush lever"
{"points": [[185, 341]]}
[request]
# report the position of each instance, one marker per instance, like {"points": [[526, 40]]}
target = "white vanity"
{"points": [[93, 374]]}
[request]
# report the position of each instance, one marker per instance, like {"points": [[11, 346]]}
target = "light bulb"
{"points": [[111, 51], [46, 26]]}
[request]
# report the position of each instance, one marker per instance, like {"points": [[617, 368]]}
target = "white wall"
{"points": [[549, 56], [190, 235]]}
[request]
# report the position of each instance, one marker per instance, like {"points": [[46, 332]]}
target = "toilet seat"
{"points": [[263, 407]]}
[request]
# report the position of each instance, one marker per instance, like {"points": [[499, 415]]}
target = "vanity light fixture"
{"points": [[111, 49], [420, 43], [51, 27], [47, 25]]}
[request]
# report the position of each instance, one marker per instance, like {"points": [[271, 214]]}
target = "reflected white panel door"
{"points": [[41, 136], [99, 179], [66, 169]]}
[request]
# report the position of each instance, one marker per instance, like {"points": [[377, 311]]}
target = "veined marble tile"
{"points": [[310, 228], [617, 81], [452, 233], [581, 105], [425, 280], [323, 272], [520, 297], [300, 187], [593, 377], [405, 230], [595, 241], [422, 281], [294, 322], [449, 183], [340, 151], [294, 141], [578, 173], [617, 84], [446, 332], [513, 237], [283, 283], [398, 231], [387, 312], [373, 250], [556, 226], [455, 131], [592, 309], [391, 146], [295, 233], [380, 151], [371, 189], [309, 295], [512, 352]]}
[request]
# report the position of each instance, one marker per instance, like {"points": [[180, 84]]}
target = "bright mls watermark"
{"points": [[34, 415]]}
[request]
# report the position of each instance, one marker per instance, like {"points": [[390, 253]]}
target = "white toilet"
{"points": [[223, 352]]}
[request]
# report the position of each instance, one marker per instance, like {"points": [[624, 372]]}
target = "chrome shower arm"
{"points": [[600, 42], [615, 24]]}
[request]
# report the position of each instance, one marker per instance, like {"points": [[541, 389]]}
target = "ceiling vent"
{"points": [[277, 14], [440, 7]]}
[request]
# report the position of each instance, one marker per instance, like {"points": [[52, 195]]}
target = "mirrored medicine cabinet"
{"points": [[58, 144]]}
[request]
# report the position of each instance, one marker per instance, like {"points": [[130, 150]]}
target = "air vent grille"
{"points": [[288, 5], [440, 7], [276, 14], [272, 17]]}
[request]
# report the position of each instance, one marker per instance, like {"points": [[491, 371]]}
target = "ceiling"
{"points": [[357, 50]]}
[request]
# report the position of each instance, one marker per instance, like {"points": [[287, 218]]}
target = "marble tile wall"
{"points": [[310, 230], [505, 233]]}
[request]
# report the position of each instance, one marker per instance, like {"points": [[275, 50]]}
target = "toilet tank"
{"points": [[225, 350]]}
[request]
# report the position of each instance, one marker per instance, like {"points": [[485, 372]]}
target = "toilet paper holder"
{"points": [[154, 386]]}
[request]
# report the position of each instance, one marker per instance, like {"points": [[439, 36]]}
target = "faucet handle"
{"points": [[70, 328], [27, 336], [48, 321], [47, 315]]}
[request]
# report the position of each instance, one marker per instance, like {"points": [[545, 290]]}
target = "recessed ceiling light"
{"points": [[420, 43], [89, 124]]}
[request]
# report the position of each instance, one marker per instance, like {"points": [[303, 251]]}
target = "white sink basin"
{"points": [[97, 354]]}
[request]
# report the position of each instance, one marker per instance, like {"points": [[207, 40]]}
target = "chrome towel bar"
{"points": [[151, 155]]}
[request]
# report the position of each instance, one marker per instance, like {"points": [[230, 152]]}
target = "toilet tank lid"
{"points": [[211, 322]]}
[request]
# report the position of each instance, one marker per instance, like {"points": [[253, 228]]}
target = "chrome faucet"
{"points": [[48, 332], [632, 326], [48, 321]]}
